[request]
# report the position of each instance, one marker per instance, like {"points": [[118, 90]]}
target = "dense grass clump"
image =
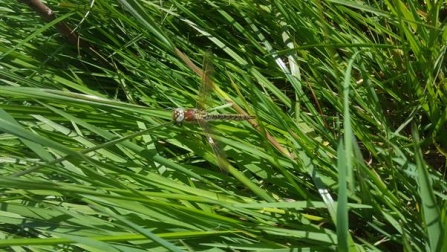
{"points": [[347, 150]]}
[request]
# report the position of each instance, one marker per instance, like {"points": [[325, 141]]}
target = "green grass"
{"points": [[348, 150]]}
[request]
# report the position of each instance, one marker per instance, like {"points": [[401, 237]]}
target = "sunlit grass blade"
{"points": [[430, 210]]}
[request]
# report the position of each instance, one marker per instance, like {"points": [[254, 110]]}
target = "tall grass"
{"points": [[347, 151]]}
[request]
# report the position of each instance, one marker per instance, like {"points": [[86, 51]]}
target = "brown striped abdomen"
{"points": [[232, 117]]}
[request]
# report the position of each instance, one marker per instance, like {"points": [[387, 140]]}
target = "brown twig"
{"points": [[240, 110], [46, 13]]}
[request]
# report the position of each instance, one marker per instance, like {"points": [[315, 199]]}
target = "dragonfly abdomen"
{"points": [[232, 117]]}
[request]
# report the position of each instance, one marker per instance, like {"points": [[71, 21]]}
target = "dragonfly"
{"points": [[200, 116]]}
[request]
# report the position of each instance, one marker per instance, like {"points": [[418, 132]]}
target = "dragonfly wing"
{"points": [[217, 149], [207, 83], [204, 96]]}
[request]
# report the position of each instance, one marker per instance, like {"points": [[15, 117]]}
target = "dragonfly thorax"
{"points": [[180, 115]]}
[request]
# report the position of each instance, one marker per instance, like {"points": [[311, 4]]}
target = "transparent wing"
{"points": [[205, 90], [217, 149], [207, 84]]}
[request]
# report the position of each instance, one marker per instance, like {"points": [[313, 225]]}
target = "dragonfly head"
{"points": [[178, 115]]}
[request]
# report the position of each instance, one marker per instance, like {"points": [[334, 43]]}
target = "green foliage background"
{"points": [[348, 151]]}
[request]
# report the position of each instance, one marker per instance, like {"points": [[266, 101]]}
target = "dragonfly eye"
{"points": [[178, 115]]}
